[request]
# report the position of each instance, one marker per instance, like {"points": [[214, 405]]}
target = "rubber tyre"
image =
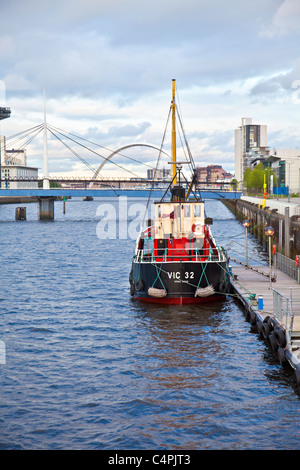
{"points": [[139, 285], [273, 341], [252, 317], [280, 337], [131, 289], [259, 328], [265, 330], [270, 323], [281, 356], [297, 377]]}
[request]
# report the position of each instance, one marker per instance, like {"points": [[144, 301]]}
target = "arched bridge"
{"points": [[120, 150]]}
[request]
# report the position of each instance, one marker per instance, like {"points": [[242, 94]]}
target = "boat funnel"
{"points": [[178, 194]]}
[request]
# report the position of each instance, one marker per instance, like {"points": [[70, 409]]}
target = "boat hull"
{"points": [[179, 281]]}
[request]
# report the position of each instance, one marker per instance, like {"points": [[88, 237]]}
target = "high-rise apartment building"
{"points": [[250, 143]]}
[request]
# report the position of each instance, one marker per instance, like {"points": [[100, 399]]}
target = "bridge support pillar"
{"points": [[46, 205]]}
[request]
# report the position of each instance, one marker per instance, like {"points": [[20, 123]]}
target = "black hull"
{"points": [[180, 280]]}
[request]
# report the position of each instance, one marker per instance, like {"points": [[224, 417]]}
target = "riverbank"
{"points": [[18, 199], [281, 214]]}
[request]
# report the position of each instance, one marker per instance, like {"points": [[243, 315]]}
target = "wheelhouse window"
{"points": [[197, 210], [187, 210]]}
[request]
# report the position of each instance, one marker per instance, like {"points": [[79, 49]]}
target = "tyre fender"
{"points": [[252, 317], [139, 285], [131, 289], [259, 328], [280, 337], [282, 357], [265, 330], [273, 341]]}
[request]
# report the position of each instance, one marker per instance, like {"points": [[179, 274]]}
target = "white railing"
{"points": [[287, 266], [172, 254], [286, 308]]}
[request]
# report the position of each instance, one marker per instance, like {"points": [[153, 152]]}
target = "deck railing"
{"points": [[287, 266], [171, 254], [285, 309]]}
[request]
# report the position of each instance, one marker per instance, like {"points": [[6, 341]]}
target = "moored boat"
{"points": [[177, 260]]}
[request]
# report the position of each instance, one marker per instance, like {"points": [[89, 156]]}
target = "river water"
{"points": [[83, 366]]}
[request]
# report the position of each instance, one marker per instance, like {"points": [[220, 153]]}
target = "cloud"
{"points": [[116, 47], [285, 20], [267, 86], [107, 69]]}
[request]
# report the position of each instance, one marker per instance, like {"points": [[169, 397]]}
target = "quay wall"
{"points": [[286, 226], [18, 199]]}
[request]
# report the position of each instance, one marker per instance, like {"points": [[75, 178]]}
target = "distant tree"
{"points": [[247, 176], [234, 184], [254, 179]]}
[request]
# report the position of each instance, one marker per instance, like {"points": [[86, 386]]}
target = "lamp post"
{"points": [[246, 224], [270, 232]]}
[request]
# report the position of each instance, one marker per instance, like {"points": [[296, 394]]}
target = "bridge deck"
{"points": [[109, 192]]}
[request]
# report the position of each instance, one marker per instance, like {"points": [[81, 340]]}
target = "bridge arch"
{"points": [[119, 150]]}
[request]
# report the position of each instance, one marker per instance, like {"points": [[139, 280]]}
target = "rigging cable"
{"points": [[156, 168]]}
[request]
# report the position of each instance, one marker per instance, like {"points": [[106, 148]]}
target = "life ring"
{"points": [[266, 195], [139, 285], [197, 229]]}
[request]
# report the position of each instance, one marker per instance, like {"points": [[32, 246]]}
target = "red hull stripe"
{"points": [[180, 300]]}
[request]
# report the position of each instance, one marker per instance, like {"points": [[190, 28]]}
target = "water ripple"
{"points": [[89, 368]]}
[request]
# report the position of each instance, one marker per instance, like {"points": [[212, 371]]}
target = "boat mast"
{"points": [[174, 170]]}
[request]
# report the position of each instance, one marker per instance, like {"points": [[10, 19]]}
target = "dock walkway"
{"points": [[274, 309]]}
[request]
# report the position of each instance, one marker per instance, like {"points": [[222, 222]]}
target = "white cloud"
{"points": [[285, 21], [107, 69]]}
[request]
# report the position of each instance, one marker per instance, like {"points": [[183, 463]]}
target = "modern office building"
{"points": [[14, 167], [250, 144], [286, 166]]}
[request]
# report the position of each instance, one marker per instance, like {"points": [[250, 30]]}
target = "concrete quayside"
{"points": [[270, 295]]}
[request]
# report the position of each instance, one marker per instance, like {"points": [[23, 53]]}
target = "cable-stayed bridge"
{"points": [[48, 188]]}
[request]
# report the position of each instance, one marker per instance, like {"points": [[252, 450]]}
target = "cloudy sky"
{"points": [[107, 70]]}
